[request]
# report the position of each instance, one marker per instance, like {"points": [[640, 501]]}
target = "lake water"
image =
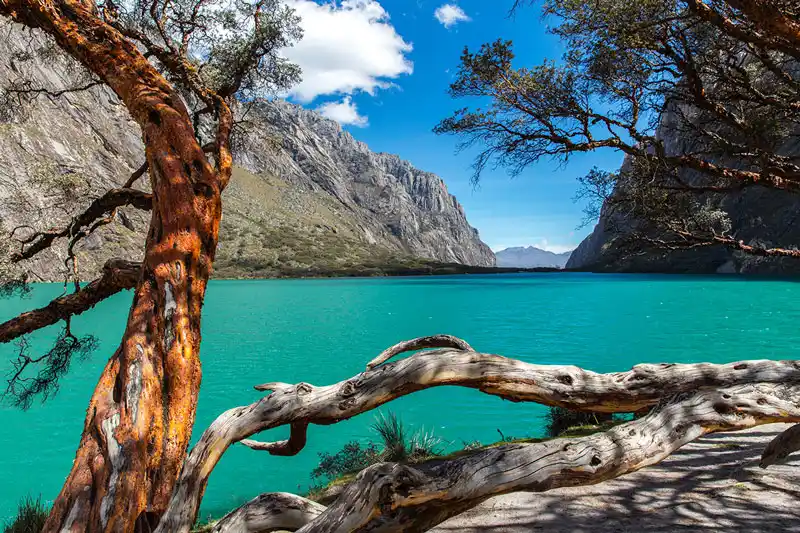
{"points": [[323, 331]]}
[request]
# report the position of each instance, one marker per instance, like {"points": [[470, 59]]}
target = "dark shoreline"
{"points": [[427, 269]]}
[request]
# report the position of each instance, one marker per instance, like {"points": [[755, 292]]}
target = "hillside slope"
{"points": [[306, 196]]}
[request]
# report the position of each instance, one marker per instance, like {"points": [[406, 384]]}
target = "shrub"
{"points": [[471, 445], [560, 419], [30, 518], [395, 446], [351, 458]]}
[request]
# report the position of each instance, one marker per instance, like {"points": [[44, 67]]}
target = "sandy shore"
{"points": [[713, 484]]}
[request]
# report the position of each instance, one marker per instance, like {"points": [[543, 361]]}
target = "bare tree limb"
{"points": [[421, 343], [292, 446], [277, 511], [117, 275], [392, 497], [138, 173], [691, 240], [510, 379], [111, 200], [781, 447], [273, 386]]}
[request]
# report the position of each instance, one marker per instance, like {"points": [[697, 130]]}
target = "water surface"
{"points": [[323, 331]]}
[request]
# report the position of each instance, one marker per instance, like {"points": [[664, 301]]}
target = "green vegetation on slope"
{"points": [[272, 229]]}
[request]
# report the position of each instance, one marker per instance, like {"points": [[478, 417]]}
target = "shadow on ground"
{"points": [[713, 484]]}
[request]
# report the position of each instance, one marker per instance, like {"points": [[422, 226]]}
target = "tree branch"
{"points": [[510, 379], [277, 511], [434, 341], [138, 173], [692, 240], [286, 448], [98, 209], [392, 497], [117, 275], [781, 447]]}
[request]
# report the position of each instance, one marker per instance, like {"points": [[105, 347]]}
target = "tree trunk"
{"points": [[140, 416]]}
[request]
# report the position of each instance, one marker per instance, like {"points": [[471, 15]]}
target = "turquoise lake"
{"points": [[323, 331]]}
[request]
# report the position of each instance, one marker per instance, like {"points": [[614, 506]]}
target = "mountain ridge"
{"points": [[306, 195], [531, 257]]}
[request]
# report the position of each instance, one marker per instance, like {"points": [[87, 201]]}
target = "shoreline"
{"points": [[455, 269]]}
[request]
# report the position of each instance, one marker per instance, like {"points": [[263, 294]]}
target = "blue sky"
{"points": [[382, 68]]}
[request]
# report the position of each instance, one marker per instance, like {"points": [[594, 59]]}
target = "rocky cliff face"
{"points": [[395, 202], [306, 193], [757, 215]]}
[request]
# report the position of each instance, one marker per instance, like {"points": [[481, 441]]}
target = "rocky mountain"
{"points": [[530, 257], [758, 216], [306, 196]]}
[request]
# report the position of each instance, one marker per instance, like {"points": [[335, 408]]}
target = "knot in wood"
{"points": [[346, 404], [303, 388], [349, 388]]}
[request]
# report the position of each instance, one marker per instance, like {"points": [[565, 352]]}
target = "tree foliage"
{"points": [[212, 51], [702, 97]]}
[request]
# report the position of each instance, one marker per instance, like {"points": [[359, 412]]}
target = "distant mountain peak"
{"points": [[530, 257]]}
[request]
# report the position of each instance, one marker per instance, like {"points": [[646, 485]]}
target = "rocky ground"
{"points": [[713, 484]]}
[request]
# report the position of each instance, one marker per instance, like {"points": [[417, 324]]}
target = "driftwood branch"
{"points": [[273, 386], [117, 275], [278, 511], [97, 210], [292, 446], [392, 497], [567, 386], [781, 447], [421, 343]]}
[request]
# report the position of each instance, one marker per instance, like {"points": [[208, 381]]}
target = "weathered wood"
{"points": [[414, 498], [781, 447], [291, 446], [511, 379], [420, 343], [277, 511]]}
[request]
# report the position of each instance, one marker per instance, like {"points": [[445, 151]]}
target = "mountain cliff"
{"points": [[306, 196], [758, 216], [530, 257]]}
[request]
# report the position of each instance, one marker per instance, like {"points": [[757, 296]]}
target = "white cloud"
{"points": [[348, 46], [544, 244], [450, 15], [344, 112]]}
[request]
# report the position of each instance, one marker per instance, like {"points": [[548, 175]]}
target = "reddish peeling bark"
{"points": [[139, 419], [769, 17]]}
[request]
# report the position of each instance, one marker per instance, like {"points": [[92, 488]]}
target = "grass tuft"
{"points": [[30, 518]]}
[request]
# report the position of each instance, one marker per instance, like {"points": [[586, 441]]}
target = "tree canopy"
{"points": [[702, 97]]}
